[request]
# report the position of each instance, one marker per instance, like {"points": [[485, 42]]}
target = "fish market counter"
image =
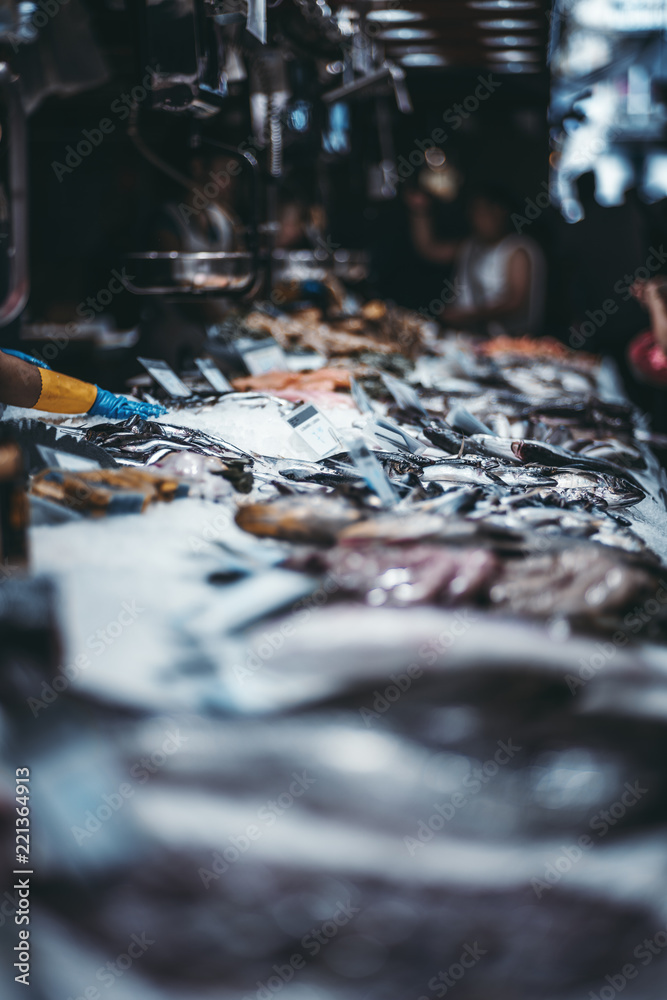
{"points": [[362, 686]]}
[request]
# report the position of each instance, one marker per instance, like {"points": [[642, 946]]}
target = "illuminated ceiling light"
{"points": [[406, 34], [508, 24], [602, 16], [423, 59], [515, 67], [516, 55], [503, 4], [511, 41], [394, 16]]}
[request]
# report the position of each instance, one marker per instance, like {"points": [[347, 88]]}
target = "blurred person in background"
{"points": [[500, 275], [399, 272], [647, 352]]}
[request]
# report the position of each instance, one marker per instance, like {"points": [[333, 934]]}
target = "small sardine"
{"points": [[547, 454]]}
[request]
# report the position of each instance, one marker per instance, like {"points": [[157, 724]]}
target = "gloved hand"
{"points": [[108, 404], [26, 357]]}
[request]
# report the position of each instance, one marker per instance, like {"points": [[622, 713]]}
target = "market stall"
{"points": [[362, 674], [333, 562]]}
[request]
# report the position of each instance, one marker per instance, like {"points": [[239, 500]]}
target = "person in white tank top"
{"points": [[500, 276]]}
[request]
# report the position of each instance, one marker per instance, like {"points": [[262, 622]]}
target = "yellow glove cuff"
{"points": [[62, 394]]}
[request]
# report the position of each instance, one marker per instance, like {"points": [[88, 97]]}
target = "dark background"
{"points": [[81, 225]]}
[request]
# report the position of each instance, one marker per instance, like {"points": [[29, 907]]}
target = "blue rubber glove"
{"points": [[108, 404], [26, 357]]}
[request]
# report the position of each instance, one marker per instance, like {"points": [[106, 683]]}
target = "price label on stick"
{"points": [[315, 430], [387, 430], [404, 395], [165, 376], [371, 470], [262, 356], [213, 375], [360, 397]]}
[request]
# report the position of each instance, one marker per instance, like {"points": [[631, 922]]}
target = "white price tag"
{"points": [[404, 395], [315, 430], [213, 375], [371, 470], [387, 430], [165, 376], [360, 397], [264, 356]]}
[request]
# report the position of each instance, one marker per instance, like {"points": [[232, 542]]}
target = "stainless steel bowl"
{"points": [[205, 273]]}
